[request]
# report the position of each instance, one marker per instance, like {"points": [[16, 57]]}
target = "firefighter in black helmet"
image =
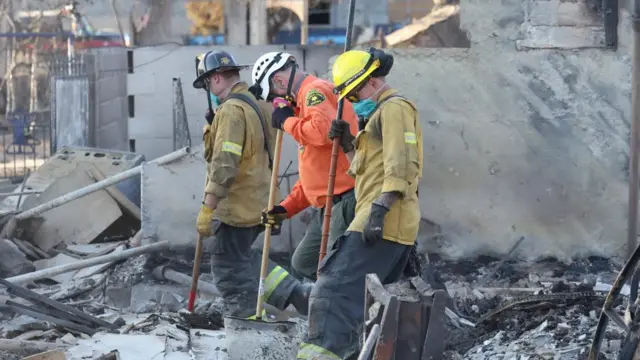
{"points": [[238, 153]]}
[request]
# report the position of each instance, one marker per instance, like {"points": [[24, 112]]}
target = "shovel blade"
{"points": [[261, 340]]}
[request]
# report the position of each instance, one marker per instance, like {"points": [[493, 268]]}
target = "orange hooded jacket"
{"points": [[316, 108]]}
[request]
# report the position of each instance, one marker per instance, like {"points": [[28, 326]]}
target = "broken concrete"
{"points": [[92, 214], [70, 158], [12, 261]]}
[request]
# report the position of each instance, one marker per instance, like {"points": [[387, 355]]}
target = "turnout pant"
{"points": [[305, 257], [336, 306], [236, 271]]}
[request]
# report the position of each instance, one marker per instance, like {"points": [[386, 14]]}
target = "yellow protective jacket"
{"points": [[388, 158], [238, 171]]}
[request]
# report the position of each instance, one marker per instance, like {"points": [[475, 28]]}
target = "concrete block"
{"points": [[12, 261], [151, 126], [112, 136], [564, 37], [108, 88], [111, 110], [155, 107], [562, 13], [119, 296], [140, 83], [152, 147], [86, 225]]}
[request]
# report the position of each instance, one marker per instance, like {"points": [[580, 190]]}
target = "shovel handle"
{"points": [[335, 150], [328, 206], [195, 274], [267, 231]]}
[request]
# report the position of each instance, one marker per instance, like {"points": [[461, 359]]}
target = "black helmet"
{"points": [[212, 61]]}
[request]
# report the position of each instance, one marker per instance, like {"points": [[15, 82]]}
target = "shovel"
{"points": [[249, 339]]}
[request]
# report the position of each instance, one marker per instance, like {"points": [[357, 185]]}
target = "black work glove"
{"points": [[274, 217], [209, 115], [280, 115], [340, 129], [374, 227]]}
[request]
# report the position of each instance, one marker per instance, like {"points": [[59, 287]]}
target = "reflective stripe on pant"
{"points": [[314, 352], [336, 304], [305, 257], [236, 271]]}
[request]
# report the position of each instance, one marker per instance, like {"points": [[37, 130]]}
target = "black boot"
{"points": [[299, 297]]}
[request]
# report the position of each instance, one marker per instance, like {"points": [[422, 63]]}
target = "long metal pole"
{"points": [[304, 26], [634, 181], [326, 221], [81, 264]]}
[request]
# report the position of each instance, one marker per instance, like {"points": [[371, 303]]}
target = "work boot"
{"points": [[299, 297]]}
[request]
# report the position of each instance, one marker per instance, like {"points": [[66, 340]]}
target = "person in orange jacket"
{"points": [[304, 107]]}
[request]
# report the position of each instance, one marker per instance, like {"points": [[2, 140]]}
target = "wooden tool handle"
{"points": [[195, 274], [267, 231], [328, 206]]}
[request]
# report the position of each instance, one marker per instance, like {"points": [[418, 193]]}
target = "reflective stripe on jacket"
{"points": [[237, 163]]}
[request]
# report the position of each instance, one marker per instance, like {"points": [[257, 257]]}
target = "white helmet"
{"points": [[266, 65]]}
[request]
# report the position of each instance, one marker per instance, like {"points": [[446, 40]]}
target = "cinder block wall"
{"points": [[150, 89]]}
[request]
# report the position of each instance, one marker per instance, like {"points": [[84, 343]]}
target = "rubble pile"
{"points": [[545, 310], [132, 307]]}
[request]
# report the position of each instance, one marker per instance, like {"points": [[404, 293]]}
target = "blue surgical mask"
{"points": [[215, 101], [364, 108]]}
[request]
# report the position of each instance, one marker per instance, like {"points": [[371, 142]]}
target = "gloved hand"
{"points": [[340, 129], [274, 217], [204, 221], [209, 115], [280, 102], [281, 112], [374, 227]]}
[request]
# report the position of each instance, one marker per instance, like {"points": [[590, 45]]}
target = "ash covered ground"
{"points": [[522, 311], [526, 311]]}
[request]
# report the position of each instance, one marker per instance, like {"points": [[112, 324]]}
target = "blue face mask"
{"points": [[364, 108], [215, 101]]}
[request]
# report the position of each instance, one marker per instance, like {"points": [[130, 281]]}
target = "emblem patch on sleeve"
{"points": [[314, 97]]}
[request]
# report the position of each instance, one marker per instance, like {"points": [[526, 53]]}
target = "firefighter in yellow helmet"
{"points": [[387, 166]]}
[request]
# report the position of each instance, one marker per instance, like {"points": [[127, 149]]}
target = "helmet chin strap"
{"points": [[289, 96], [206, 88]]}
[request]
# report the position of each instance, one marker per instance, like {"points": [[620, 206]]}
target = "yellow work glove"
{"points": [[204, 221]]}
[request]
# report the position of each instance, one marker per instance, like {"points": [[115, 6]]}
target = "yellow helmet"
{"points": [[351, 68]]}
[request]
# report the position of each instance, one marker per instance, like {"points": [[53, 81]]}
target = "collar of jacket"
{"points": [[240, 86], [309, 78], [385, 94]]}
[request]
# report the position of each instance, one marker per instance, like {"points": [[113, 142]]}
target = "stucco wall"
{"points": [[521, 143]]}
